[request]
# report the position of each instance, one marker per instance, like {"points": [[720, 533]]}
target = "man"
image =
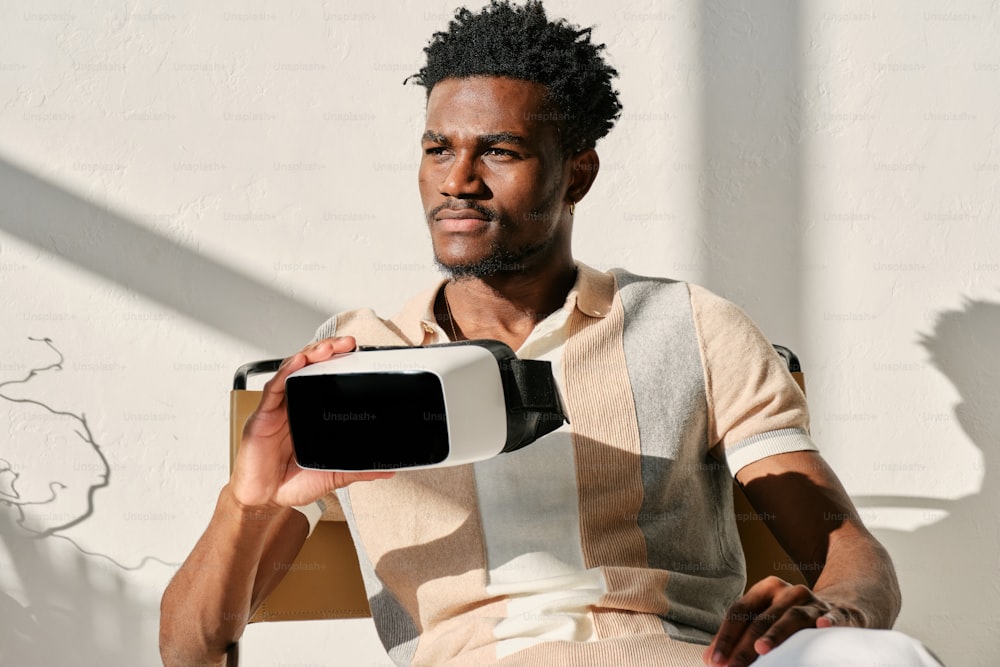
{"points": [[607, 542]]}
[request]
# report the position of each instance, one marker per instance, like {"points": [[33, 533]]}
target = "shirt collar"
{"points": [[592, 294], [595, 291]]}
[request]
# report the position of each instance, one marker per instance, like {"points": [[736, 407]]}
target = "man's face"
{"points": [[492, 177]]}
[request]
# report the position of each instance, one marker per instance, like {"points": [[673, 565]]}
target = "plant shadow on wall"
{"points": [[73, 606], [951, 566]]}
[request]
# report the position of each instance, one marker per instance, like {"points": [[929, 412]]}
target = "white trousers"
{"points": [[848, 647]]}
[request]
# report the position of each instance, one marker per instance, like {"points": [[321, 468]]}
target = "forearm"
{"points": [[208, 603], [817, 525], [858, 572]]}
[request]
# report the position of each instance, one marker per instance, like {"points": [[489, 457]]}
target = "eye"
{"points": [[437, 154], [500, 152]]}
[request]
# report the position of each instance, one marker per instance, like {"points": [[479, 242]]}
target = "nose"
{"points": [[462, 179]]}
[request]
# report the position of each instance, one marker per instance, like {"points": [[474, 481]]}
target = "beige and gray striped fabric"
{"points": [[609, 541]]}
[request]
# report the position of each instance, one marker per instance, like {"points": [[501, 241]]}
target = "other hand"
{"points": [[265, 472], [770, 612]]}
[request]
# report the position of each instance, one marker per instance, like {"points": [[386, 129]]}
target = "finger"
{"points": [[728, 640], [323, 349], [827, 620], [845, 616], [739, 616], [350, 478], [794, 608], [301, 487], [335, 478], [274, 390], [743, 651], [734, 624], [791, 621]]}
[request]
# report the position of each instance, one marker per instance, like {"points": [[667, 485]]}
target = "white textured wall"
{"points": [[186, 186]]}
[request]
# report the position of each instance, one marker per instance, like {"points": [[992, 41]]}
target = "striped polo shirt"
{"points": [[609, 541]]}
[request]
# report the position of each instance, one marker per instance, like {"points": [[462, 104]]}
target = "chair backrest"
{"points": [[325, 582]]}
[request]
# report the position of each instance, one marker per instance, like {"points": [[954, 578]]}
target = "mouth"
{"points": [[462, 225], [461, 220]]}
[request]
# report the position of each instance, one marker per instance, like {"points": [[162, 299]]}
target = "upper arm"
{"points": [[758, 416], [755, 408]]}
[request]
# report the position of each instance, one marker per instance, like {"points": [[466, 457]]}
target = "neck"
{"points": [[505, 307]]}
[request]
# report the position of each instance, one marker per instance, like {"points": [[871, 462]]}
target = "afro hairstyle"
{"points": [[519, 42]]}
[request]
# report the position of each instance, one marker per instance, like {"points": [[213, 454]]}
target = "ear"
{"points": [[583, 170]]}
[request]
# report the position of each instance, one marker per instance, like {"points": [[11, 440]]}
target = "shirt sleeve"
{"points": [[312, 512], [755, 407], [326, 330]]}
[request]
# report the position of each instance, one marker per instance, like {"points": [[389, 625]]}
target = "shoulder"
{"points": [[711, 310], [729, 338], [705, 305], [603, 286], [404, 328], [626, 279], [350, 323]]}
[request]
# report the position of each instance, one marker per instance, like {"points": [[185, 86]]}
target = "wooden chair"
{"points": [[324, 582]]}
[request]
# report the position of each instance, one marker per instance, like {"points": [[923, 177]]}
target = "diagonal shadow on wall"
{"points": [[74, 605], [105, 243]]}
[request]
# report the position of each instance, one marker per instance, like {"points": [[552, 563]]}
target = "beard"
{"points": [[498, 261]]}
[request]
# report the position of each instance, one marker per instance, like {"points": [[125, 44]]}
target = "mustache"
{"points": [[463, 205]]}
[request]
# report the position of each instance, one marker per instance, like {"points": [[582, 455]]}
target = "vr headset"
{"points": [[389, 408]]}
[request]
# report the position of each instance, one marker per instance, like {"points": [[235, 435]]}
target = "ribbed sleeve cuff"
{"points": [[762, 445]]}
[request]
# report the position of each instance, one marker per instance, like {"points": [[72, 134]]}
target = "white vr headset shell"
{"points": [[419, 407]]}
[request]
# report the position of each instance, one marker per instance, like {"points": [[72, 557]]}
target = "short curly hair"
{"points": [[520, 42]]}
